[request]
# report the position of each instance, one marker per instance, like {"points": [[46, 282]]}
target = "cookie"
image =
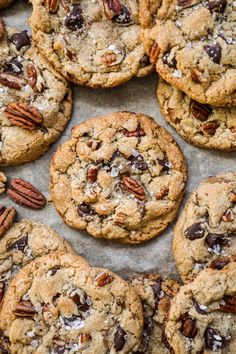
{"points": [[35, 102], [5, 3], [204, 233], [25, 241], [93, 43], [156, 294], [202, 317], [78, 310], [193, 44], [120, 177], [200, 124]]}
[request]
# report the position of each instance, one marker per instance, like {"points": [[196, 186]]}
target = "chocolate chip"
{"points": [[229, 305], [217, 5], [13, 66], [123, 18], [199, 308], [165, 164], [194, 231], [213, 339], [169, 59], [188, 327], [157, 288], [20, 39], [138, 162], [145, 61], [20, 244], [200, 111], [214, 52], [73, 321], [74, 21], [81, 303], [59, 350], [54, 270], [85, 209], [119, 339], [184, 2], [219, 263], [212, 240]]}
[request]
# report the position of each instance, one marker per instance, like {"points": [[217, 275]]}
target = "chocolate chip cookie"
{"points": [[5, 3], [156, 294], [120, 177], [205, 232], [35, 101], [25, 241], [94, 43], [200, 124], [202, 317], [78, 310], [193, 44]]}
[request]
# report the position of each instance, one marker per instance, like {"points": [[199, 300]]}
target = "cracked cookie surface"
{"points": [[78, 310], [155, 293], [94, 43], [120, 177], [202, 125], [25, 241], [198, 55], [204, 234], [35, 102], [202, 317]]}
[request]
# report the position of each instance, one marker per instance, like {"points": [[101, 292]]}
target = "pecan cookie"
{"points": [[120, 177], [193, 44], [202, 317], [35, 101], [156, 294], [94, 43], [23, 242], [205, 232], [5, 3], [200, 124], [78, 310]]}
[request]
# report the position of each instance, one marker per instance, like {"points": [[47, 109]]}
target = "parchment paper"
{"points": [[137, 95]]}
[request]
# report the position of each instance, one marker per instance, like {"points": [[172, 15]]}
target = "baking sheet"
{"points": [[138, 95]]}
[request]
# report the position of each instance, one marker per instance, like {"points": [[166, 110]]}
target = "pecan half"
{"points": [[154, 53], [23, 115], [92, 174], [32, 74], [120, 218], [2, 29], [51, 5], [7, 216], [209, 128], [229, 305], [133, 187], [112, 8], [3, 181], [103, 279], [12, 81], [24, 193], [25, 308]]}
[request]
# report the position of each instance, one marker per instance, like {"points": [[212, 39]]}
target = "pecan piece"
{"points": [[24, 193], [112, 8], [32, 74], [25, 308], [154, 53], [3, 181], [7, 216], [228, 216], [189, 328], [133, 187], [229, 305], [51, 5], [2, 291], [209, 128], [103, 279], [92, 174], [232, 197], [200, 111], [162, 193], [139, 132], [12, 81], [120, 218], [219, 263], [23, 115], [2, 29], [84, 339]]}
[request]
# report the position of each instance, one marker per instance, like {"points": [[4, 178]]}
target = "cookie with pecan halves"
{"points": [[93, 43], [35, 102], [120, 177]]}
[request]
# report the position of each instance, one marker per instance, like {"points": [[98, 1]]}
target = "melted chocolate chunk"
{"points": [[74, 21], [20, 39], [214, 52], [213, 240], [195, 231], [217, 5], [85, 209], [20, 244], [13, 66], [119, 339], [213, 339], [123, 18]]}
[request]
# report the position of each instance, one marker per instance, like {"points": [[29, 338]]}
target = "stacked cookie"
{"points": [[193, 45]]}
